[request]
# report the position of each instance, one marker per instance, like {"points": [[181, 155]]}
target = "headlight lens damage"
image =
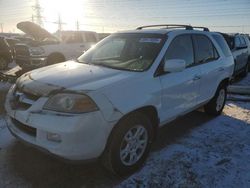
{"points": [[70, 103]]}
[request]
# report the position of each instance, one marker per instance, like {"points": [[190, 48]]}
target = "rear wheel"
{"points": [[3, 63], [128, 145], [216, 104], [245, 71]]}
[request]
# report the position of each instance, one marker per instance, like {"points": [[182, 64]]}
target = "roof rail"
{"points": [[198, 27], [187, 27]]}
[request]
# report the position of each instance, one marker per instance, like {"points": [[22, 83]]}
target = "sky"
{"points": [[113, 15]]}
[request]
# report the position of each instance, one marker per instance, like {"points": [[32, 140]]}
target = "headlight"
{"points": [[70, 103], [36, 51]]}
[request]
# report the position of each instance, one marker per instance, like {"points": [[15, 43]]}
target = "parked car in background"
{"points": [[247, 39], [12, 42], [5, 54], [103, 35], [110, 103], [240, 51], [46, 49]]}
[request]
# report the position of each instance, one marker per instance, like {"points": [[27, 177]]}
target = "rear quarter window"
{"points": [[223, 45]]}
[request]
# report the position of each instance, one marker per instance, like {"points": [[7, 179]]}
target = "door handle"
{"points": [[197, 77], [221, 69]]}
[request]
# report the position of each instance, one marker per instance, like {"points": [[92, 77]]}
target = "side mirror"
{"points": [[174, 65]]}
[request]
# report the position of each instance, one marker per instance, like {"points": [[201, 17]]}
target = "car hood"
{"points": [[34, 30], [72, 76]]}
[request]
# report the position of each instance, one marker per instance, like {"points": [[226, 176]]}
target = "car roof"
{"points": [[167, 28], [163, 31]]}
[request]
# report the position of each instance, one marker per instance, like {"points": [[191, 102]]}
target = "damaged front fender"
{"points": [[109, 111]]}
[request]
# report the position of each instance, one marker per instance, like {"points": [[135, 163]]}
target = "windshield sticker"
{"points": [[150, 40]]}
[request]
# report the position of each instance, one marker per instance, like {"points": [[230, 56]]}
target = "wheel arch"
{"points": [[225, 82], [150, 111]]}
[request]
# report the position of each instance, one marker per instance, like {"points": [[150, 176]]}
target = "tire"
{"points": [[216, 104], [57, 58], [245, 71], [133, 157], [3, 63]]}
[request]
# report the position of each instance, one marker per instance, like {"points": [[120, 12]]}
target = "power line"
{"points": [[60, 24], [38, 15]]}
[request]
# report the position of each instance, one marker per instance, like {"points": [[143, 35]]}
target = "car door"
{"points": [[211, 65], [244, 51], [180, 90], [73, 46], [238, 53]]}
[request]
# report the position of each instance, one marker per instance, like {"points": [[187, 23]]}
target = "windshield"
{"points": [[132, 52]]}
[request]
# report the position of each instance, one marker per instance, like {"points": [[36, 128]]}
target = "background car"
{"points": [[239, 48], [12, 42], [5, 53], [247, 39], [48, 49]]}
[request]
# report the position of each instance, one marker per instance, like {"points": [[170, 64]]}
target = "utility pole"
{"points": [[1, 25], [77, 25], [38, 13], [60, 24], [32, 18]]}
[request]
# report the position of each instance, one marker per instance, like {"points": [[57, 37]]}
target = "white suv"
{"points": [[110, 103], [46, 49]]}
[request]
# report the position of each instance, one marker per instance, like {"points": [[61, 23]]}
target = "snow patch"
{"points": [[216, 154]]}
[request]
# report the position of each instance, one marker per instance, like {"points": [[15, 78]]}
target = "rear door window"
{"points": [[204, 49], [181, 48]]}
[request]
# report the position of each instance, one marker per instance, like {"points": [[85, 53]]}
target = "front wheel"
{"points": [[128, 145], [216, 104]]}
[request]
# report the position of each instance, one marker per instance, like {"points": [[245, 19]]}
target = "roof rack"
{"points": [[198, 27], [188, 27], [167, 26]]}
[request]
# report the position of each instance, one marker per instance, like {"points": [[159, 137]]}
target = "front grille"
{"points": [[24, 128], [22, 50], [20, 61], [23, 100], [22, 54]]}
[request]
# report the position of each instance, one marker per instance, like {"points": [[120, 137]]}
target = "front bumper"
{"points": [[31, 62], [82, 137]]}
